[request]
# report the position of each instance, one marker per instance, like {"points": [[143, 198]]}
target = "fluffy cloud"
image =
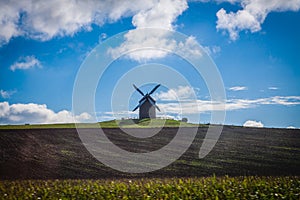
{"points": [[26, 63], [251, 123], [179, 93], [36, 113], [137, 43], [146, 44], [252, 15], [161, 15], [6, 94], [238, 88], [44, 20]]}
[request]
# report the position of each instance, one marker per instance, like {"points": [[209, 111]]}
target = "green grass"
{"points": [[150, 123], [127, 123], [250, 187]]}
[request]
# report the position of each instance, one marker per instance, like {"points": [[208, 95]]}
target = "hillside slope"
{"points": [[59, 154], [125, 123]]}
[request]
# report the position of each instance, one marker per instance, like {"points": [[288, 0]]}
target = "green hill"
{"points": [[126, 123]]}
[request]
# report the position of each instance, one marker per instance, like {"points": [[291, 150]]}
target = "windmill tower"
{"points": [[146, 104]]}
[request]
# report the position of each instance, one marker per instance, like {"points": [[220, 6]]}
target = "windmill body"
{"points": [[147, 110], [147, 106]]}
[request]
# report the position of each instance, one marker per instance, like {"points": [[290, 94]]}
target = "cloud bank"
{"points": [[252, 15], [44, 20], [36, 114], [172, 104], [177, 101], [230, 104]]}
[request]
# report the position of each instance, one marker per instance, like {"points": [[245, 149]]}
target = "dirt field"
{"points": [[59, 154]]}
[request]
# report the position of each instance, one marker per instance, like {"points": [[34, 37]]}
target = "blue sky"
{"points": [[254, 45]]}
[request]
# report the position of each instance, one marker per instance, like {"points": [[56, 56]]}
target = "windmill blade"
{"points": [[154, 89], [139, 105], [153, 103], [144, 97], [152, 99], [157, 107], [138, 90], [136, 108]]}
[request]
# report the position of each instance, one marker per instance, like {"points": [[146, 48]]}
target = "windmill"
{"points": [[146, 104]]}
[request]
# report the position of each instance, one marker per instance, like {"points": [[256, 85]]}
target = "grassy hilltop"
{"points": [[126, 123]]}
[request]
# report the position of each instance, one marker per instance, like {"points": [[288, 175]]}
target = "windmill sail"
{"points": [[154, 89], [138, 90]]}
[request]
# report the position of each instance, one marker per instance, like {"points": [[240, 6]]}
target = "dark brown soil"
{"points": [[59, 154]]}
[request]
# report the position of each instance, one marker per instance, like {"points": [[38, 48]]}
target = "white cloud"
{"points": [[26, 63], [234, 22], [36, 113], [136, 43], [180, 100], [102, 37], [212, 50], [251, 123], [230, 1], [4, 108], [238, 88], [189, 48], [234, 104], [161, 15], [252, 15], [44, 20], [291, 127], [172, 108], [176, 94], [146, 44], [273, 88], [6, 94], [200, 106], [281, 100]]}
